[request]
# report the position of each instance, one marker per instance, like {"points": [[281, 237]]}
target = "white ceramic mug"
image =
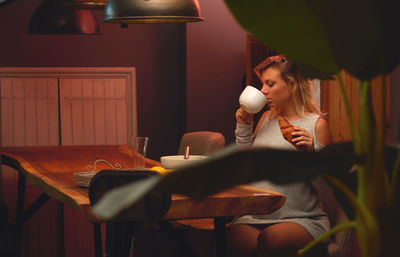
{"points": [[252, 100]]}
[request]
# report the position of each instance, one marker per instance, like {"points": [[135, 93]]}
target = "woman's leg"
{"points": [[285, 234], [242, 240]]}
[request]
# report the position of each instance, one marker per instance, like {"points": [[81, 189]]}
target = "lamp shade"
{"points": [[152, 11], [85, 4], [51, 18], [5, 2]]}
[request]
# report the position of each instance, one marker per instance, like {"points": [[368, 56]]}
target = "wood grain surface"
{"points": [[51, 168]]}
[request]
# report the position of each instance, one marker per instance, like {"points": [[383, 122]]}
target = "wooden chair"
{"points": [[202, 142]]}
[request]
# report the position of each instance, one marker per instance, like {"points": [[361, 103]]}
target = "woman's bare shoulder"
{"points": [[322, 132]]}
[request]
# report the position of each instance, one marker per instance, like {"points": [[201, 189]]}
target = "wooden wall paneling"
{"points": [[9, 177], [76, 108], [47, 113], [111, 111], [88, 113], [6, 110], [333, 104], [65, 111], [121, 91], [100, 110], [21, 114]]}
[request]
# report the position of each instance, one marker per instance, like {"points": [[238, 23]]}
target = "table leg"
{"points": [[34, 207], [220, 236], [60, 230], [20, 212], [23, 215], [97, 240]]}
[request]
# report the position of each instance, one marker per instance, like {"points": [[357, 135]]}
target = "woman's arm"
{"points": [[244, 127]]}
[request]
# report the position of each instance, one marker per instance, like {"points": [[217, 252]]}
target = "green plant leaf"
{"points": [[350, 180], [234, 166], [391, 154], [327, 36]]}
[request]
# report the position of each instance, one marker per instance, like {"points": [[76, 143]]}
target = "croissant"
{"points": [[286, 129]]}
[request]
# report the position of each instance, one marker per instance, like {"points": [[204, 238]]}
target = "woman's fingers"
{"points": [[301, 132], [303, 139]]}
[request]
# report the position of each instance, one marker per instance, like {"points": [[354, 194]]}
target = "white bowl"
{"points": [[176, 161]]}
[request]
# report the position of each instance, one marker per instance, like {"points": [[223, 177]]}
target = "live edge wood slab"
{"points": [[51, 169]]}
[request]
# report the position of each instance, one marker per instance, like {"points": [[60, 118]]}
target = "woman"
{"points": [[301, 219]]}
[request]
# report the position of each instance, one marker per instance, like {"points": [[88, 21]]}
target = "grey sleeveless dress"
{"points": [[302, 204]]}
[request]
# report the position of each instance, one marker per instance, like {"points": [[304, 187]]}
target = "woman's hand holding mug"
{"points": [[243, 117], [251, 101]]}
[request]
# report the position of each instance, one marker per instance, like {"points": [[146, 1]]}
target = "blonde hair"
{"points": [[301, 91]]}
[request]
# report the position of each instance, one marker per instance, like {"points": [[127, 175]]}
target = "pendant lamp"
{"points": [[152, 11], [51, 18], [5, 2], [85, 4]]}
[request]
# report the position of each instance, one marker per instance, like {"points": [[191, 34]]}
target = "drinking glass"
{"points": [[138, 146]]}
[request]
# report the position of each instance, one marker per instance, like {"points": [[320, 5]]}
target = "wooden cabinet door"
{"points": [[94, 111], [333, 105], [29, 111], [54, 106]]}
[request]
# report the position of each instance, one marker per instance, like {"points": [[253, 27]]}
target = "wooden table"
{"points": [[51, 169]]}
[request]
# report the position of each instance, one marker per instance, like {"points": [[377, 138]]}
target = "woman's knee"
{"points": [[283, 235]]}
